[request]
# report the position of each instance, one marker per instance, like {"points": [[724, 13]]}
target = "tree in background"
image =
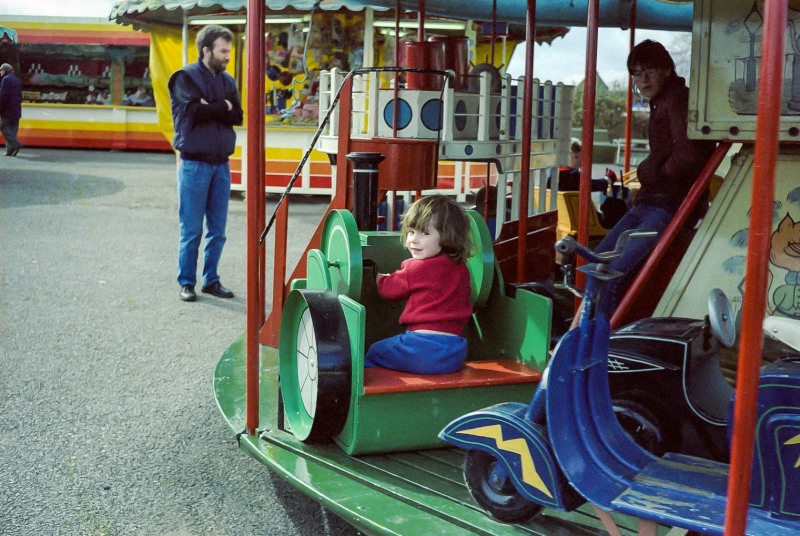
{"points": [[680, 48], [609, 108]]}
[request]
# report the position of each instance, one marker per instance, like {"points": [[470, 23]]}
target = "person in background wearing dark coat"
{"points": [[10, 108], [666, 175], [205, 108]]}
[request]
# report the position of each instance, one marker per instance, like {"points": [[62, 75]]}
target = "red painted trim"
{"points": [[94, 142], [79, 37], [756, 272], [379, 380]]}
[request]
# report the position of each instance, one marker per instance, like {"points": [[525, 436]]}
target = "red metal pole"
{"points": [[629, 98], [527, 122], [642, 280], [587, 135], [255, 205], [396, 88], [763, 196], [421, 21], [494, 31]]}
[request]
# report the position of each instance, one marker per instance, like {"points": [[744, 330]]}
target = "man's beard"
{"points": [[216, 65]]}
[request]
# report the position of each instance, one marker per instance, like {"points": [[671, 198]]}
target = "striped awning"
{"points": [[650, 14], [7, 35], [140, 13]]}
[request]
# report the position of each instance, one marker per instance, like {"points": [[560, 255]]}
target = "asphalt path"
{"points": [[108, 424]]}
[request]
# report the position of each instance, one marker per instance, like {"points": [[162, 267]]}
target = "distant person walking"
{"points": [[205, 107], [10, 108]]}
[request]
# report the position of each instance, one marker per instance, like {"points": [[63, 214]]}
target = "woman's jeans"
{"points": [[636, 251], [203, 192]]}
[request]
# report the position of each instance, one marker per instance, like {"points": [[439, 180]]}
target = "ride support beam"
{"points": [[396, 86], [271, 328], [255, 206], [421, 21], [767, 147], [587, 135], [527, 123], [624, 313], [626, 167], [494, 31]]}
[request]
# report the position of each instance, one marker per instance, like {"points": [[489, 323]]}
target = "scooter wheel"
{"points": [[490, 486]]}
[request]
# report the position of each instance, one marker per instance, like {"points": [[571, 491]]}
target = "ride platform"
{"points": [[418, 492]]}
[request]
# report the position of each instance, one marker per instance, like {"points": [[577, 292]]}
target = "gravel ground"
{"points": [[108, 424]]}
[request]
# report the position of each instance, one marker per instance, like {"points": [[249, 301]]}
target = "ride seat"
{"points": [[378, 380], [567, 204]]}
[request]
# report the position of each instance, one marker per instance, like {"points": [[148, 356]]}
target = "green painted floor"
{"points": [[421, 492]]}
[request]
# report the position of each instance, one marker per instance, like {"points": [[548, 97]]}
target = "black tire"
{"points": [[315, 365], [496, 495], [641, 425]]}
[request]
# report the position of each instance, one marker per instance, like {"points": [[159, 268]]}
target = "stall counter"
{"points": [[91, 127]]}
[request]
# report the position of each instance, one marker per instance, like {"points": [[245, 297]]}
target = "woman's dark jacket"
{"points": [[204, 132], [675, 161]]}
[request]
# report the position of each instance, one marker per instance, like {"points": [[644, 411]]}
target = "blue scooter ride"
{"points": [[567, 446]]}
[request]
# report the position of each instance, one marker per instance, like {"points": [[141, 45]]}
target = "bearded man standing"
{"points": [[205, 108]]}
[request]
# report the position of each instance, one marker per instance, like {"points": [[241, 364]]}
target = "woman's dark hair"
{"points": [[209, 34], [650, 55]]}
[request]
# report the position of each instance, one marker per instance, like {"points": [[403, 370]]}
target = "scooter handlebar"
{"points": [[569, 246]]}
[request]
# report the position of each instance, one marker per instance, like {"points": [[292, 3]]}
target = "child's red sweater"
{"points": [[437, 289]]}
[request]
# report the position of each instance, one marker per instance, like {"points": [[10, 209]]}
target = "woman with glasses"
{"points": [[666, 175]]}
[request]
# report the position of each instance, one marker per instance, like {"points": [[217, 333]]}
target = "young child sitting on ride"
{"points": [[435, 282]]}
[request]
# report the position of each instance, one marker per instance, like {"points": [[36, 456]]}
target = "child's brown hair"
{"points": [[447, 217]]}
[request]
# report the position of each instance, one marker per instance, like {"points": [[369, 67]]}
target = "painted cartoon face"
{"points": [[423, 244], [785, 245]]}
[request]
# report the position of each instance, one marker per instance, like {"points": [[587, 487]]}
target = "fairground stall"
{"points": [[78, 75], [304, 39]]}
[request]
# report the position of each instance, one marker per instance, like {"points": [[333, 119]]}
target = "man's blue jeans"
{"points": [[203, 192], [635, 253]]}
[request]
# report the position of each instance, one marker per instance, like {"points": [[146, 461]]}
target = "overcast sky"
{"points": [[59, 8], [563, 61]]}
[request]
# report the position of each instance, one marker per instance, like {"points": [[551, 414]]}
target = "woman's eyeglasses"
{"points": [[646, 73]]}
